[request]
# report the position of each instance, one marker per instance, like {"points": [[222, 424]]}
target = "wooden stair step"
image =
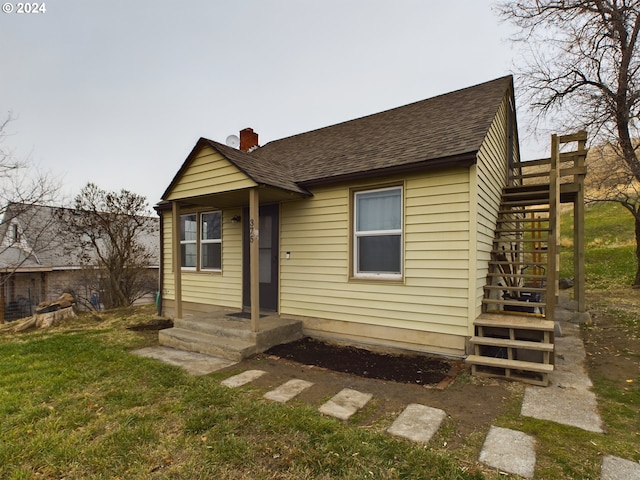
{"points": [[518, 240], [517, 289], [514, 321], [526, 202], [513, 303], [517, 275], [541, 250], [508, 343], [522, 220], [510, 364], [522, 230], [519, 211], [523, 262]]}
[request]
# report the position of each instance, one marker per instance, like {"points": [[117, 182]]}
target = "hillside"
{"points": [[610, 259]]}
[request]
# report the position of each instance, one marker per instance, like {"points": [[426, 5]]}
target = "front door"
{"points": [[268, 232]]}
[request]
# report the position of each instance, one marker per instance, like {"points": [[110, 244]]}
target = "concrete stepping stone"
{"points": [[509, 451], [193, 362], [287, 390], [345, 403], [417, 423], [568, 399], [242, 378], [615, 468]]}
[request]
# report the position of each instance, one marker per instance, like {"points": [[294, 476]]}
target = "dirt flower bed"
{"points": [[413, 369]]}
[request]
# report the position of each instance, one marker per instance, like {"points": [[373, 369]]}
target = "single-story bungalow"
{"points": [[377, 230]]}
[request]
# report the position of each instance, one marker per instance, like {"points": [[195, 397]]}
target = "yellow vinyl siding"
{"points": [[209, 173], [209, 288], [491, 174], [432, 295]]}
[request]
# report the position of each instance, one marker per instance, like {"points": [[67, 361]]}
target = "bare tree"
{"points": [[22, 189], [119, 243], [580, 70]]}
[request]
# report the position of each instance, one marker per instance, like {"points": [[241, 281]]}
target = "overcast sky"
{"points": [[118, 92]]}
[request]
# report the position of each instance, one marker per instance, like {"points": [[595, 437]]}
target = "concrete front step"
{"points": [[193, 341], [227, 337]]}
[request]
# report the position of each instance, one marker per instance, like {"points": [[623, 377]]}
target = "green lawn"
{"points": [[610, 259], [75, 404]]}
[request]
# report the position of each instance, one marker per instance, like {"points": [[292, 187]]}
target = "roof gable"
{"points": [[250, 169]]}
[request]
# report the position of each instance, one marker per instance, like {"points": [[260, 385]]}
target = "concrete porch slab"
{"points": [[193, 362], [417, 423], [220, 334]]}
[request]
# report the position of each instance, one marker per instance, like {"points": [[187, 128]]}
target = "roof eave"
{"points": [[464, 160]]}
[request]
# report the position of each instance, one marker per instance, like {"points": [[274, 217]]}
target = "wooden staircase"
{"points": [[514, 336]]}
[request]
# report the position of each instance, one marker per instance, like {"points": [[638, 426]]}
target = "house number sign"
{"points": [[253, 232]]}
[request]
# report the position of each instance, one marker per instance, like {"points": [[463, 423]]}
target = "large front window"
{"points": [[201, 241], [378, 233]]}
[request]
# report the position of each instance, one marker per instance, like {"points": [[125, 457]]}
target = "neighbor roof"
{"points": [[41, 244], [444, 130]]}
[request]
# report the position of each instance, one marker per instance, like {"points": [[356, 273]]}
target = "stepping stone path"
{"points": [[614, 468], [243, 378], [507, 450], [345, 403], [288, 390], [417, 423]]}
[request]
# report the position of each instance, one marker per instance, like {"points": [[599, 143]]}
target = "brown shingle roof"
{"points": [[437, 131], [441, 127]]}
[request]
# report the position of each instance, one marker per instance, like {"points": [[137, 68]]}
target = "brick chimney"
{"points": [[248, 139]]}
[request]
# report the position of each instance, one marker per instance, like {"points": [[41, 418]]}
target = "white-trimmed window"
{"points": [[377, 243], [211, 241], [188, 240], [201, 241]]}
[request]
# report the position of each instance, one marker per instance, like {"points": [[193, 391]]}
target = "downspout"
{"points": [[160, 267]]}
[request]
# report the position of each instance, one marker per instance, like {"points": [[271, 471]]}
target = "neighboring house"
{"points": [[38, 263], [376, 231]]}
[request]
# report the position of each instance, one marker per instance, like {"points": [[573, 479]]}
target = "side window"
{"points": [[377, 242], [188, 239], [211, 241]]}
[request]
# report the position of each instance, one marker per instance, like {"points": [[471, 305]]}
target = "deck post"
{"points": [[578, 230], [553, 250], [177, 266], [254, 256]]}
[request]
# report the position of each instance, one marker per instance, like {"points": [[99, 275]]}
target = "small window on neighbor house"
{"points": [[188, 240], [378, 233], [211, 241], [16, 233]]}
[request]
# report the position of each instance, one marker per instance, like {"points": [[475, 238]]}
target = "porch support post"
{"points": [[175, 251], [254, 256]]}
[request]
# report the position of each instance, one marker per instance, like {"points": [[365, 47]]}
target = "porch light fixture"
{"points": [[235, 219]]}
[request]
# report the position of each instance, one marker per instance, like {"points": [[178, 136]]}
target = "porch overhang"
{"points": [[234, 198]]}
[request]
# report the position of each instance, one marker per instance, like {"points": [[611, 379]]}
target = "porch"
{"points": [[228, 333]]}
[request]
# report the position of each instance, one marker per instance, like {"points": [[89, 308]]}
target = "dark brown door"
{"points": [[268, 231]]}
